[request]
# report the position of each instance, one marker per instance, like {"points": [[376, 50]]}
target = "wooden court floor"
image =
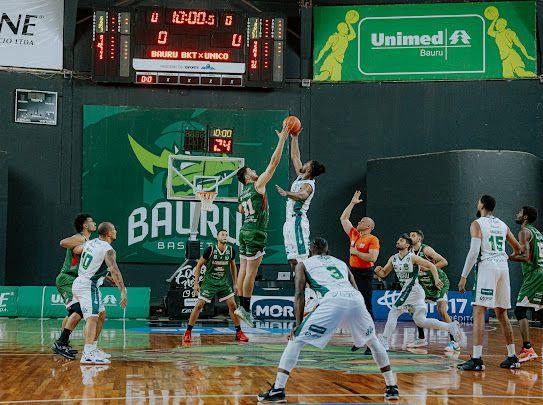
{"points": [[151, 366]]}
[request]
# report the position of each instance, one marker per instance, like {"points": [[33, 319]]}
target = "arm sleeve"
{"points": [[207, 253], [471, 258]]}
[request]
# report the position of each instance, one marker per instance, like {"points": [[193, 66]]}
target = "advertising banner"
{"points": [[31, 33], [460, 41]]}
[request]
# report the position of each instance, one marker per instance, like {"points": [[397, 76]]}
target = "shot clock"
{"points": [[163, 46], [212, 140]]}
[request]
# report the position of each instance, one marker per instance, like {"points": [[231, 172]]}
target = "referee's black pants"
{"points": [[363, 278]]}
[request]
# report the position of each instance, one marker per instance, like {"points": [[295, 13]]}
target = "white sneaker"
{"points": [[417, 343], [384, 342], [93, 358], [102, 354], [452, 346], [456, 331]]}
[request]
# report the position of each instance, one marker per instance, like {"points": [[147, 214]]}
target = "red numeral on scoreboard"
{"points": [[154, 17], [236, 40], [162, 37], [147, 79], [228, 20], [100, 45]]}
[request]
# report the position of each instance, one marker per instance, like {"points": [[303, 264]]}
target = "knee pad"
{"points": [[520, 312], [75, 308]]}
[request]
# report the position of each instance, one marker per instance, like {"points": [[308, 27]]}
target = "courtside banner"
{"points": [[272, 307], [8, 301], [460, 41], [31, 33], [459, 306]]}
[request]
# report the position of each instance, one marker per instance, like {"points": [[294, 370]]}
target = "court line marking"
{"points": [[290, 396]]}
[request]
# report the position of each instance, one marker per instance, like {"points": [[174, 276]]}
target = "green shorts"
{"points": [[64, 284], [531, 291], [210, 289], [252, 244]]}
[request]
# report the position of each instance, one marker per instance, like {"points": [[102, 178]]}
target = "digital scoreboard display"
{"points": [[211, 140], [163, 46]]}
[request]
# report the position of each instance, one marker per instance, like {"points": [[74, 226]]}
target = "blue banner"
{"points": [[459, 306]]}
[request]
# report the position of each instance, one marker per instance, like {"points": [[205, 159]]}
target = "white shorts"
{"points": [[492, 288], [336, 309], [89, 296], [296, 235], [411, 298]]}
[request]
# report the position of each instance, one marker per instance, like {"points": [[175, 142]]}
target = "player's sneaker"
{"points": [[240, 336], [452, 346], [510, 362], [456, 331], [63, 350], [384, 342], [245, 316], [103, 354], [187, 336], [417, 343], [527, 355], [93, 358], [392, 392], [276, 395], [71, 349], [472, 365]]}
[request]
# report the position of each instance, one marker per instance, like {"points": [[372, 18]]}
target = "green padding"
{"points": [[36, 302], [8, 301]]}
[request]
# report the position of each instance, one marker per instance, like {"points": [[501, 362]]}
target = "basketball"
{"points": [[293, 124], [491, 13], [352, 16]]}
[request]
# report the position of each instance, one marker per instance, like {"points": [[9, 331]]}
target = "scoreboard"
{"points": [[165, 46]]}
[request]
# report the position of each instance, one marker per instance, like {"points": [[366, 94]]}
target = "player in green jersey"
{"points": [[84, 226], [254, 231], [217, 258], [531, 291], [433, 294]]}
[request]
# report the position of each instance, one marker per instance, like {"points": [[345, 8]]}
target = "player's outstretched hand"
{"points": [[292, 332], [439, 284], [356, 197], [462, 285], [281, 192], [284, 132], [196, 288], [124, 300]]}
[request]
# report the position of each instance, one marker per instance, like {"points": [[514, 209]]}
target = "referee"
{"points": [[364, 250]]}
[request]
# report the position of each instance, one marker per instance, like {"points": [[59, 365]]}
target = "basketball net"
{"points": [[206, 198]]}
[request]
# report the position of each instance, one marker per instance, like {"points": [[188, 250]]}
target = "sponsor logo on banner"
{"points": [[56, 299], [459, 306], [269, 307], [109, 300], [31, 33], [5, 297]]}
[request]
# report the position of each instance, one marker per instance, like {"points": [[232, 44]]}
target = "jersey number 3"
{"points": [[334, 272]]}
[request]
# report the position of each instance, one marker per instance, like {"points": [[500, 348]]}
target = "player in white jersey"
{"points": [[492, 288], [296, 228], [341, 303], [86, 288], [406, 265]]}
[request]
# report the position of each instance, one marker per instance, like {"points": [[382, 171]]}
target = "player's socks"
{"points": [[247, 304], [421, 332], [477, 352], [451, 337], [189, 327], [88, 348], [64, 336], [238, 328], [389, 378], [511, 350], [280, 380]]}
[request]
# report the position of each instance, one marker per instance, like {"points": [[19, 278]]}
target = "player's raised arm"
{"points": [[72, 241], [264, 178], [299, 295], [111, 262], [426, 265], [525, 238], [295, 153], [346, 214], [382, 272]]}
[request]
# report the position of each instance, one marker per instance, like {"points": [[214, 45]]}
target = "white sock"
{"points": [[477, 351], [88, 348], [95, 344], [280, 380], [511, 350], [389, 378]]}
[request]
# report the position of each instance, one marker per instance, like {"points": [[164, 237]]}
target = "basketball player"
{"points": [[341, 302], [84, 226], [407, 265], [254, 231], [86, 288], [492, 288], [296, 228], [531, 291], [216, 259], [432, 294]]}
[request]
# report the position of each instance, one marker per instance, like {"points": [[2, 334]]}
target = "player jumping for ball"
{"points": [[254, 231]]}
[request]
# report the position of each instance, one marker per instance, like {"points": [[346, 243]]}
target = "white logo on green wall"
{"points": [[431, 44]]}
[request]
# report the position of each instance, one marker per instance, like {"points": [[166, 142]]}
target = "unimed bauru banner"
{"points": [[31, 33], [460, 41]]}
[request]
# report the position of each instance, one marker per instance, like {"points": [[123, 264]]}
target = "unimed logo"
{"points": [[56, 299], [110, 300]]}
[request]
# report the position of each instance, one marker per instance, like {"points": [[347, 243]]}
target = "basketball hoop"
{"points": [[206, 198]]}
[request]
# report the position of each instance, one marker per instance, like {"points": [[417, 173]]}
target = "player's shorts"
{"points": [[441, 297], [435, 295], [89, 296], [252, 243], [411, 298], [492, 288], [337, 308], [531, 291], [296, 235], [64, 284], [210, 289]]}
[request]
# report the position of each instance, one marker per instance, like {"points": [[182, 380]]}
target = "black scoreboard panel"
{"points": [[163, 46]]}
